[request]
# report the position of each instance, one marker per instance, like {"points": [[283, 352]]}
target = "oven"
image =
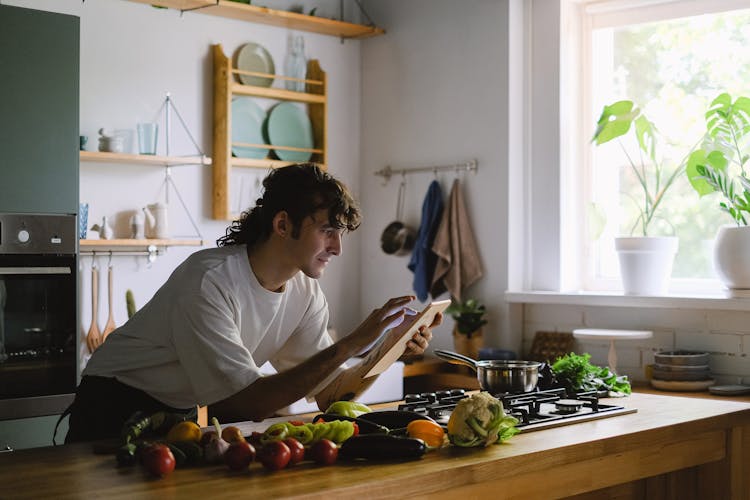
{"points": [[38, 314]]}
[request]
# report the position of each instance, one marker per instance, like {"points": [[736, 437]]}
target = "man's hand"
{"points": [[421, 340]]}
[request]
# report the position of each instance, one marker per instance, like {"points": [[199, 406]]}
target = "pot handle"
{"points": [[454, 357]]}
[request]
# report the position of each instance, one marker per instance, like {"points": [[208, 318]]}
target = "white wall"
{"points": [[131, 54], [435, 92]]}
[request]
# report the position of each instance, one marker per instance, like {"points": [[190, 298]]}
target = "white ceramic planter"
{"points": [[646, 263], [732, 257]]}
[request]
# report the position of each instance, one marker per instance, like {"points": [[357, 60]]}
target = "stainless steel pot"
{"points": [[498, 376]]}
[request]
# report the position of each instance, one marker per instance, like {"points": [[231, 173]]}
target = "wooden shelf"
{"points": [[225, 87], [130, 243], [264, 15], [104, 157]]}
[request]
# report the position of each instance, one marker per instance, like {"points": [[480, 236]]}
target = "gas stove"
{"points": [[534, 410]]}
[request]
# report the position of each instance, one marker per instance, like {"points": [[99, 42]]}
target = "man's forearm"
{"points": [[267, 394]]}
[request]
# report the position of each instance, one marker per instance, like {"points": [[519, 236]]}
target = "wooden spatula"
{"points": [[94, 337], [110, 326]]}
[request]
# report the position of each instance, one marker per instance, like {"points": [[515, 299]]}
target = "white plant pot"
{"points": [[646, 263], [732, 258]]}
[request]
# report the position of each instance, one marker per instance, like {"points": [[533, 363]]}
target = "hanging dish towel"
{"points": [[458, 265], [422, 262]]}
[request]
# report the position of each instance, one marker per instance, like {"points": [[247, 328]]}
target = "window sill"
{"points": [[614, 299]]}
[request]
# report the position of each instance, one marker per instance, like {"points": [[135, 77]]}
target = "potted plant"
{"points": [[468, 328], [719, 167], [645, 260]]}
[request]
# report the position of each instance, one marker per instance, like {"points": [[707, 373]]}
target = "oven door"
{"points": [[37, 334]]}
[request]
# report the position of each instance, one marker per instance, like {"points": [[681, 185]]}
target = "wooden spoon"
{"points": [[93, 337], [110, 326]]}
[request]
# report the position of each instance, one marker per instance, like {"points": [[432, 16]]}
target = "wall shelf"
{"points": [[225, 87], [150, 248], [264, 15], [106, 157]]}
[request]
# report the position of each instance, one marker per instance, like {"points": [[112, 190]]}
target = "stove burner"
{"points": [[534, 410]]}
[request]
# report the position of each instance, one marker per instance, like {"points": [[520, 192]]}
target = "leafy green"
{"points": [[577, 374]]}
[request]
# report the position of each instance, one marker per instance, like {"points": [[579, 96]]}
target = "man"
{"points": [[225, 311]]}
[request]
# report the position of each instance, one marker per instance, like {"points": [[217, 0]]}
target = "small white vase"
{"points": [[646, 263], [732, 257]]}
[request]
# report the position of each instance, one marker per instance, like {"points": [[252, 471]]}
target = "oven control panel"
{"points": [[38, 234]]}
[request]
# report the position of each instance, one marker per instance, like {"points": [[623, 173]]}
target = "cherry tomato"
{"points": [[158, 460], [296, 449], [431, 433], [356, 429], [274, 455], [239, 455], [324, 452], [231, 434]]}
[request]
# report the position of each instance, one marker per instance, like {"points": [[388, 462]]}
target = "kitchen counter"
{"points": [[672, 447]]}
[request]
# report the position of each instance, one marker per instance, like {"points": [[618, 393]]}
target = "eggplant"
{"points": [[365, 426], [381, 447], [394, 419]]}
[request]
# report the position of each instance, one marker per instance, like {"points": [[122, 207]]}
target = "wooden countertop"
{"points": [[699, 446]]}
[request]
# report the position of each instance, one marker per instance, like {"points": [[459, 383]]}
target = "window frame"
{"points": [[548, 259]]}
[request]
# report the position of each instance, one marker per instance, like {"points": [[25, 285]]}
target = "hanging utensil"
{"points": [[110, 326], [397, 237], [93, 337]]}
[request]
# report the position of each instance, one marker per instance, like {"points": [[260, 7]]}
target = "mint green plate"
{"points": [[289, 125], [247, 126]]}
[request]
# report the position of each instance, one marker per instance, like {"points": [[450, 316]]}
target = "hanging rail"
{"points": [[388, 172]]}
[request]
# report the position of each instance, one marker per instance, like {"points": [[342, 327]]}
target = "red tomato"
{"points": [[324, 452], [356, 429], [158, 460], [274, 455], [239, 455], [296, 449]]}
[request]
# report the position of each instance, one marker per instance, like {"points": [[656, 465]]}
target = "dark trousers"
{"points": [[102, 405]]}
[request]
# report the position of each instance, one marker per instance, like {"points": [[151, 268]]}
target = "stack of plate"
{"points": [[681, 371]]}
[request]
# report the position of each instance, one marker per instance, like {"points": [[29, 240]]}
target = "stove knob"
{"points": [[23, 236], [442, 394], [413, 398], [429, 396], [458, 392]]}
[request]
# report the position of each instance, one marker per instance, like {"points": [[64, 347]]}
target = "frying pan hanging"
{"points": [[397, 237]]}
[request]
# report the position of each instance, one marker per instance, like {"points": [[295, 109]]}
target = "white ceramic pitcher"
{"points": [[156, 221]]}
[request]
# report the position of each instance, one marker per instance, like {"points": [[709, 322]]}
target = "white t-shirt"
{"points": [[208, 329]]}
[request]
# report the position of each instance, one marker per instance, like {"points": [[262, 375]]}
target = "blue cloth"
{"points": [[423, 259]]}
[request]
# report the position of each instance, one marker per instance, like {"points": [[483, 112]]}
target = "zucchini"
{"points": [[381, 447]]}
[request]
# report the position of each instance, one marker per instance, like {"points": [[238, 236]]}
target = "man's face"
{"points": [[318, 241]]}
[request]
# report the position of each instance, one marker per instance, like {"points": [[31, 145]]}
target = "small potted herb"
{"points": [[467, 331]]}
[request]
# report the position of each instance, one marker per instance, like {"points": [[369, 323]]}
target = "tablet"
{"points": [[393, 343]]}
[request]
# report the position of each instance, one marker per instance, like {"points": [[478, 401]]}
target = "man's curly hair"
{"points": [[300, 190]]}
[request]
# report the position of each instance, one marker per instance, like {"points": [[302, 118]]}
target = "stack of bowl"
{"points": [[681, 370]]}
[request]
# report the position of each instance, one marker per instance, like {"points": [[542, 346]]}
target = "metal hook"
{"points": [[93, 259], [109, 262]]}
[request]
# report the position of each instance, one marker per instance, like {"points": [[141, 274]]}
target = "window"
{"points": [[671, 58]]}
